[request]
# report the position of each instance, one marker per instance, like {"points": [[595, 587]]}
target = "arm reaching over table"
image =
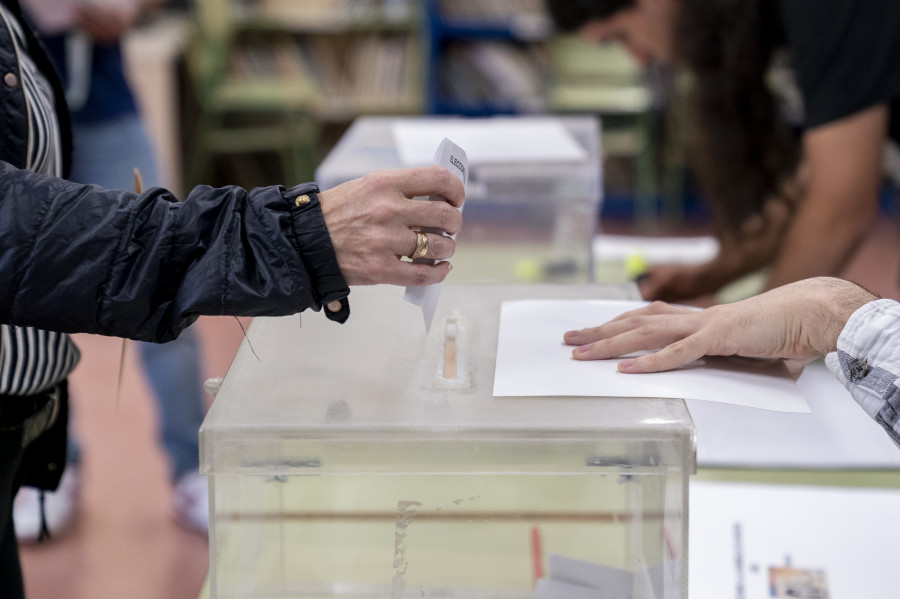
{"points": [[799, 321], [858, 333]]}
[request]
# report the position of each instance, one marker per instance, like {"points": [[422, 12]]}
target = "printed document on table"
{"points": [[454, 159], [532, 360], [537, 140], [754, 541]]}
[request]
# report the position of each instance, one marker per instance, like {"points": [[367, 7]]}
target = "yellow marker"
{"points": [[528, 270], [635, 265]]}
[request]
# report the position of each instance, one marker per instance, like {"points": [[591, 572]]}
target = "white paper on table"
{"points": [[453, 158], [842, 539], [488, 140], [532, 360], [572, 578], [837, 434], [655, 250]]}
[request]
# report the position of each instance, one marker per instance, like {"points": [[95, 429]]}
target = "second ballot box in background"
{"points": [[533, 196]]}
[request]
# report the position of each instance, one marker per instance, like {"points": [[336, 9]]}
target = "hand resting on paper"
{"points": [[799, 321], [373, 220]]}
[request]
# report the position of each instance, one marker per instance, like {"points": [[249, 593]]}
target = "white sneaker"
{"points": [[60, 507], [190, 501]]}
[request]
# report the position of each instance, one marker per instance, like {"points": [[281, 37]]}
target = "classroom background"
{"points": [[258, 92]]}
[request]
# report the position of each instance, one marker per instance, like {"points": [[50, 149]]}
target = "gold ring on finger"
{"points": [[421, 246]]}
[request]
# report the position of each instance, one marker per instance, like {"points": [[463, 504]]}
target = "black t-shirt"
{"points": [[846, 56]]}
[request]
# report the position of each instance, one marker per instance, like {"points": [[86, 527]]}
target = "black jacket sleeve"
{"points": [[78, 258]]}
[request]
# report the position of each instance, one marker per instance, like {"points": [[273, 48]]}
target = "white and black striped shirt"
{"points": [[32, 360]]}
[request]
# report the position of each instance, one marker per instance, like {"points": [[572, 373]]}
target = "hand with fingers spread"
{"points": [[374, 222], [800, 321]]}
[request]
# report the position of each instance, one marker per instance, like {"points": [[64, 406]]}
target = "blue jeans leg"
{"points": [[173, 371], [107, 152]]}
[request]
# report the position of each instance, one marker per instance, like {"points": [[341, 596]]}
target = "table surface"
{"points": [[885, 479]]}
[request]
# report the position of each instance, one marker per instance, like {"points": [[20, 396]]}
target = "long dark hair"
{"points": [[740, 148], [569, 15]]}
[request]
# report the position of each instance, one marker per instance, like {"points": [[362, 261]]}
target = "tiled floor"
{"points": [[125, 543]]}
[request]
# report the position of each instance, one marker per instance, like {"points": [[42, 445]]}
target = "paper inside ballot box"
{"points": [[571, 578]]}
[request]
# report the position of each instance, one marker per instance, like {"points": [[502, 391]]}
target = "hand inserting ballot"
{"points": [[373, 223]]}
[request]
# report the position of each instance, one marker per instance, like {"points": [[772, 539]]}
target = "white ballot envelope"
{"points": [[453, 158]]}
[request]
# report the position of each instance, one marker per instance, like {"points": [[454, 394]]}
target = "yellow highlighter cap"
{"points": [[635, 265], [528, 270]]}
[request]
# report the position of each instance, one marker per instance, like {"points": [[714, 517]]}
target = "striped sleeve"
{"points": [[32, 360], [867, 362]]}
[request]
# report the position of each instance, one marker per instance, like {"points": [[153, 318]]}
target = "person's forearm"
{"points": [[755, 246], [820, 240], [76, 258], [800, 321], [843, 174], [739, 255], [740, 258]]}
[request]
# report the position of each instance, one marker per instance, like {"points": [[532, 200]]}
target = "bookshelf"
{"points": [[361, 56], [504, 57], [282, 77], [605, 80], [487, 58], [336, 60]]}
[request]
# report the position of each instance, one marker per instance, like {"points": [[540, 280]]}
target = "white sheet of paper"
{"points": [[837, 434], [532, 360], [453, 158], [547, 588], [571, 578], [842, 537], [608, 582], [655, 250], [488, 140]]}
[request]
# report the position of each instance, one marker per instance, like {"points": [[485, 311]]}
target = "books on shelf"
{"points": [[504, 75], [353, 72], [329, 15], [497, 10], [603, 78], [362, 73], [358, 55], [526, 19]]}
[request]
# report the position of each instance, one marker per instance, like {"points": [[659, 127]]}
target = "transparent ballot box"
{"points": [[529, 216], [371, 459]]}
